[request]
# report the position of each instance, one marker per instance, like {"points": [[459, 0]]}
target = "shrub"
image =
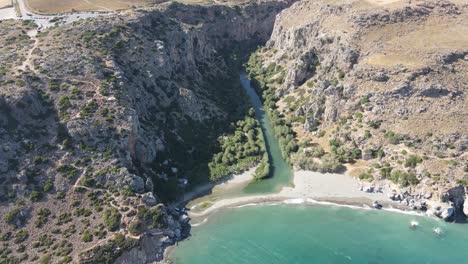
{"points": [[366, 176], [13, 215], [64, 218], [21, 236], [329, 163], [112, 219], [393, 138], [5, 236], [48, 185], [135, 227], [64, 103], [87, 237], [43, 217], [35, 196], [412, 161], [152, 216], [89, 108], [68, 171], [386, 172], [364, 100], [403, 179], [263, 170], [60, 195], [367, 134]]}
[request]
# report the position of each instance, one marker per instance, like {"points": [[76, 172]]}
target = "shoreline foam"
{"points": [[327, 189]]}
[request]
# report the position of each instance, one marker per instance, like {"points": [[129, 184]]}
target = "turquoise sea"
{"points": [[304, 234]]}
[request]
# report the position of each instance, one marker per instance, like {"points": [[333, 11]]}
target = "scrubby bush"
{"points": [[366, 176], [393, 138], [412, 161], [403, 178], [135, 227], [48, 185], [21, 236], [68, 171], [153, 217], [87, 237], [35, 196], [112, 219], [42, 217], [263, 169]]}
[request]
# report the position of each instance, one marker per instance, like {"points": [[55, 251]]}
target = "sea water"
{"points": [[304, 234]]}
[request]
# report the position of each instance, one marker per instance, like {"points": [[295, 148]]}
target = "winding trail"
{"points": [[28, 62]]}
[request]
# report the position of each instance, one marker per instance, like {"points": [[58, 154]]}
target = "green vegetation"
{"points": [[463, 181], [64, 218], [263, 80], [48, 185], [42, 217], [343, 154], [263, 169], [64, 103], [135, 227], [68, 171], [153, 217], [366, 176], [35, 196], [412, 161], [21, 236], [328, 163], [403, 178], [393, 138], [87, 237], [89, 108], [15, 215], [108, 252], [112, 219], [239, 150]]}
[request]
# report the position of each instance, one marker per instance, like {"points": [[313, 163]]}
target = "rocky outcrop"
{"points": [[112, 111], [344, 71]]}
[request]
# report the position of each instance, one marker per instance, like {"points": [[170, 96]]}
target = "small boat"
{"points": [[414, 224], [438, 231]]}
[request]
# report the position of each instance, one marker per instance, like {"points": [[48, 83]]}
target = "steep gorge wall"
{"points": [[364, 76], [110, 110]]}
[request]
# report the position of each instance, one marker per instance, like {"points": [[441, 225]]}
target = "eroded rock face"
{"points": [[465, 207], [372, 98], [109, 105]]}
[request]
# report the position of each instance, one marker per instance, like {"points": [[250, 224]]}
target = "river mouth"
{"points": [[281, 173]]}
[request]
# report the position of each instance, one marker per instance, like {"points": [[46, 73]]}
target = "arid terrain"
{"points": [[385, 91], [105, 121]]}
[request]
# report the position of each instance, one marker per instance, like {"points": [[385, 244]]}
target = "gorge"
{"points": [[106, 122]]}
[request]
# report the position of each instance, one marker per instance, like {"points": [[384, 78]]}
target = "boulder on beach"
{"points": [[376, 205]]}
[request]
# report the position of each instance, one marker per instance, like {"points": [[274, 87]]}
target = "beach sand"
{"points": [[308, 186]]}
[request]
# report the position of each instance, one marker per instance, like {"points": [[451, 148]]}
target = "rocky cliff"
{"points": [[380, 86], [102, 118]]}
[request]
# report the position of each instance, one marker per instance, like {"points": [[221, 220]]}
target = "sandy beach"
{"points": [[308, 186]]}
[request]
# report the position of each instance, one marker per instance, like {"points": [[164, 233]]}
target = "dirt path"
{"points": [[28, 62]]}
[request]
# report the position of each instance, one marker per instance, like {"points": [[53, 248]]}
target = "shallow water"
{"points": [[281, 173], [320, 234]]}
